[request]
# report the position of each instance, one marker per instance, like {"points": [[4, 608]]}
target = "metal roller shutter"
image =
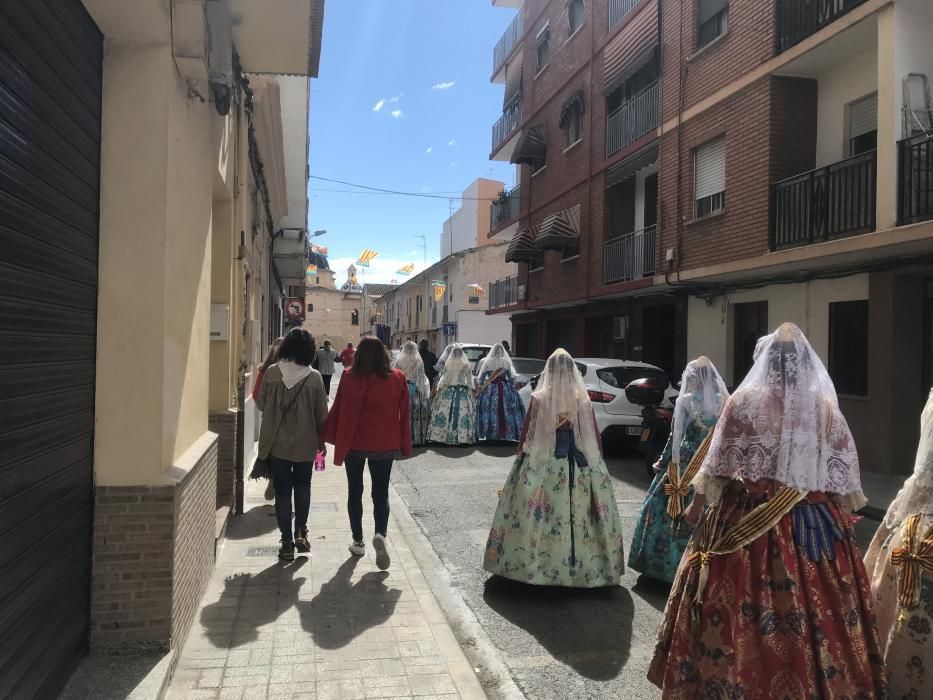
{"points": [[710, 175], [50, 105]]}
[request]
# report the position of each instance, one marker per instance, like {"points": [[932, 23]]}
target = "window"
{"points": [[712, 20], [574, 124], [709, 173], [863, 125], [542, 49], [473, 300], [310, 308], [354, 318], [575, 13], [848, 346]]}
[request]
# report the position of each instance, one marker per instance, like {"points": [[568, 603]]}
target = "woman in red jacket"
{"points": [[369, 421]]}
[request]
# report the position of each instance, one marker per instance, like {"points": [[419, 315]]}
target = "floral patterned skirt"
{"points": [[907, 635], [420, 411], [453, 417], [557, 524], [658, 544], [774, 623], [499, 412]]}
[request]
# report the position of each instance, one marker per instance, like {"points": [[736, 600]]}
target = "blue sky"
{"points": [[398, 78]]}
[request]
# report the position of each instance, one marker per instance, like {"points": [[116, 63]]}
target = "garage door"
{"points": [[50, 93]]}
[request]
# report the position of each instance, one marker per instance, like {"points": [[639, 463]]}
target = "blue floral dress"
{"points": [[499, 409], [453, 416], [420, 411], [659, 543]]}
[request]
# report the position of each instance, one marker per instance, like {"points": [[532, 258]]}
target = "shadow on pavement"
{"points": [[343, 609], [255, 522], [590, 630], [652, 591]]}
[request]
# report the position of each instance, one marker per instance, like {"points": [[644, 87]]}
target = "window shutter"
{"points": [[709, 8], [710, 169], [863, 116]]}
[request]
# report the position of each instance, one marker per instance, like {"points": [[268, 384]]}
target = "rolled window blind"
{"points": [[863, 116], [710, 169]]}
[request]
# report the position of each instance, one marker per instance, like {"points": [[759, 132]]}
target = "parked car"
{"points": [[525, 369], [605, 381], [476, 352]]}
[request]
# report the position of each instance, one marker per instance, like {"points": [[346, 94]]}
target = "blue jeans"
{"points": [[286, 478], [379, 471]]}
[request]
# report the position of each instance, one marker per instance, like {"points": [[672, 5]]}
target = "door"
{"points": [[751, 322], [658, 336], [50, 106]]}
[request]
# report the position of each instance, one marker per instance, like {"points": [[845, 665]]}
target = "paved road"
{"points": [[557, 643]]}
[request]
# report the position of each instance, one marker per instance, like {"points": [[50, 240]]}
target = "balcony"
{"points": [[826, 203], [631, 256], [504, 208], [914, 180], [635, 118], [798, 19], [507, 124], [508, 42], [618, 9], [503, 293]]}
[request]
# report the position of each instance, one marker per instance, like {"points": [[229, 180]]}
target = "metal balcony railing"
{"points": [[618, 9], [826, 203], [508, 42], [505, 208], [632, 120], [503, 293], [915, 180], [631, 256], [507, 123], [798, 19]]}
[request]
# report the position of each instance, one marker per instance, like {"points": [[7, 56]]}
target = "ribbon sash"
{"points": [[677, 487], [912, 559]]}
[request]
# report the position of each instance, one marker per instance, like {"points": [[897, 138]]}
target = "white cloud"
{"points": [[381, 271], [379, 105], [444, 86], [396, 98], [396, 114], [429, 150], [453, 163], [452, 142]]}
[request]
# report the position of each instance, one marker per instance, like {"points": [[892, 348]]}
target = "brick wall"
{"points": [[224, 424], [153, 553]]}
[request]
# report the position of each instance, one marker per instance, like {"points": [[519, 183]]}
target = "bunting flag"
{"points": [[366, 257], [405, 270], [439, 289], [319, 249], [312, 270], [477, 289]]}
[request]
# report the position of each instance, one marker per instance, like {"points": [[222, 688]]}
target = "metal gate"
{"points": [[50, 105]]}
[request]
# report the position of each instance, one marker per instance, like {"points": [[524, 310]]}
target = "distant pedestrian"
{"points": [[410, 364], [499, 409], [346, 357], [429, 359], [270, 359], [294, 408], [507, 347], [453, 413], [325, 364], [369, 422]]}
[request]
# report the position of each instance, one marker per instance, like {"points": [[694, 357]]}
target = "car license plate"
{"points": [[645, 435], [633, 431]]}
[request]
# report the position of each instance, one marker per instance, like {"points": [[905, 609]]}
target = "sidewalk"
{"points": [[328, 626]]}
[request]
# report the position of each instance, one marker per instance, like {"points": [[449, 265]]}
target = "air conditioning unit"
{"points": [[618, 327]]}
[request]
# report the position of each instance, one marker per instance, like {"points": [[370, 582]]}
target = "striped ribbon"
{"points": [[912, 559], [677, 487], [753, 525], [482, 387]]}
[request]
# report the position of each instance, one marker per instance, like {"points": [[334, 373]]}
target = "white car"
{"points": [[605, 381]]}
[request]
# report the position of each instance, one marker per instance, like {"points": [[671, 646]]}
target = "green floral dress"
{"points": [[557, 523]]}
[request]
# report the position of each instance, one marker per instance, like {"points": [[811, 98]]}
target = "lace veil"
{"points": [[457, 370], [702, 396], [916, 495], [497, 358], [783, 423], [441, 361], [410, 364], [561, 394]]}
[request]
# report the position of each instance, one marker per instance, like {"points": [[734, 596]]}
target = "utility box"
{"points": [[220, 322]]}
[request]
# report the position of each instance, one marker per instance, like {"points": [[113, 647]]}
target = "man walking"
{"points": [[429, 359], [346, 357], [325, 364]]}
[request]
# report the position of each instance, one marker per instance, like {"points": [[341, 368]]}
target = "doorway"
{"points": [[750, 323], [658, 336]]}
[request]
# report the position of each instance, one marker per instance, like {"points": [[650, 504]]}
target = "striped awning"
{"points": [[575, 99], [531, 148], [630, 46], [628, 167], [522, 247], [560, 231]]}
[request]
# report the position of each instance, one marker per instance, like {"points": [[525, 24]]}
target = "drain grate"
{"points": [[269, 551]]}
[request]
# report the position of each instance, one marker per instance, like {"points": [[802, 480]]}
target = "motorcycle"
{"points": [[656, 418]]}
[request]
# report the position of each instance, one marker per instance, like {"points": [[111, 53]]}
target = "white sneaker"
{"points": [[358, 549], [382, 553]]}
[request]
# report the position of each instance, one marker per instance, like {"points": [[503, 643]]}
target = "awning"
{"points": [[531, 148], [628, 167], [522, 247], [575, 99], [560, 231], [626, 50]]}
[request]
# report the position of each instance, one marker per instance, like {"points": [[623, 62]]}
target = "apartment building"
{"points": [[761, 162]]}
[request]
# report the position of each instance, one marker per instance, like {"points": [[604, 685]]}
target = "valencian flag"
{"points": [[405, 269], [477, 289], [312, 270], [439, 289], [366, 257], [319, 249]]}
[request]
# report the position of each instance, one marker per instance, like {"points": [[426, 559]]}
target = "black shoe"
{"points": [[287, 551], [302, 546]]}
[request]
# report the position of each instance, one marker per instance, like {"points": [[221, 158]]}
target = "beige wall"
{"points": [[330, 319]]}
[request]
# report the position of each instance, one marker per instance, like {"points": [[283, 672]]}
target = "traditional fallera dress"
{"points": [[661, 535], [453, 412], [900, 564], [771, 599], [557, 523], [409, 362], [500, 412]]}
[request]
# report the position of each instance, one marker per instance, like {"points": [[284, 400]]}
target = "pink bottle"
{"points": [[319, 462]]}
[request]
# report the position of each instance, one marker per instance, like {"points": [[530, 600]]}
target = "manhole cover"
{"points": [[269, 551]]}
